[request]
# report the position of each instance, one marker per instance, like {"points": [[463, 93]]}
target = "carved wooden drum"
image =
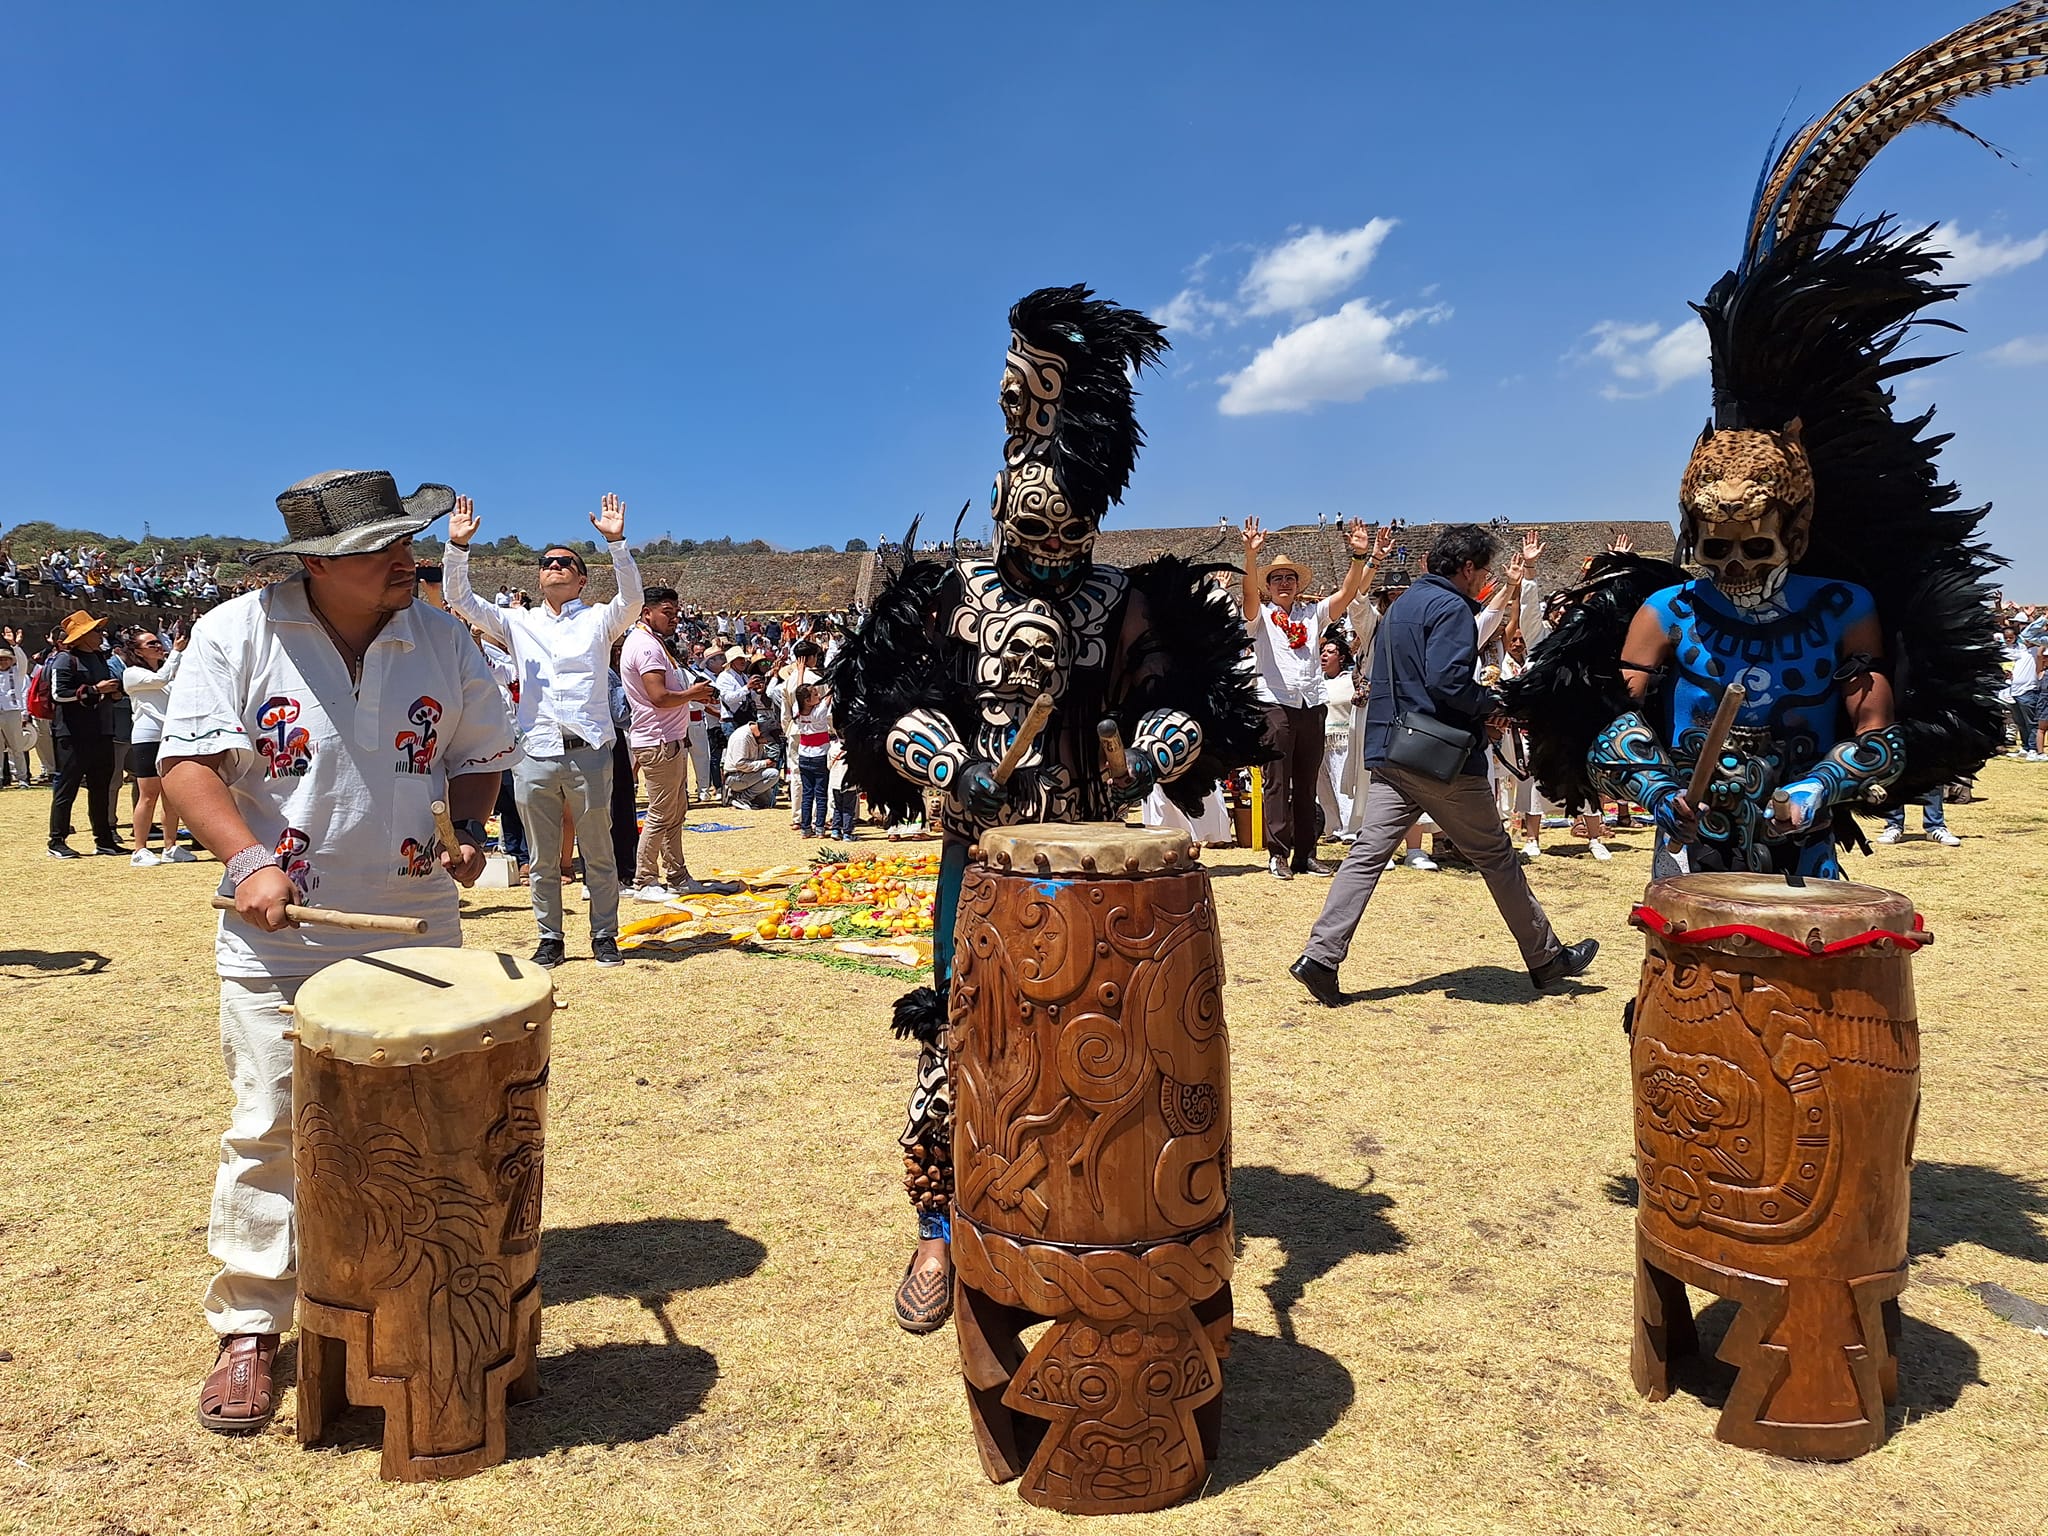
{"points": [[420, 1082], [1091, 1145], [1776, 1060]]}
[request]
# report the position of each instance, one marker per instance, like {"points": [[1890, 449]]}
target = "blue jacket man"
{"points": [[1425, 659]]}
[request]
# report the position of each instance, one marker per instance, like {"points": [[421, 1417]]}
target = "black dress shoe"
{"points": [[1570, 961], [1320, 979], [550, 953]]}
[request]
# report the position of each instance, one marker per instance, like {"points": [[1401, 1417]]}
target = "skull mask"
{"points": [[1747, 504], [1029, 660], [1048, 542]]}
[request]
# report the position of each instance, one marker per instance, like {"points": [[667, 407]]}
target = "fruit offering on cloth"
{"points": [[902, 913], [773, 877], [865, 882], [726, 918], [784, 923]]}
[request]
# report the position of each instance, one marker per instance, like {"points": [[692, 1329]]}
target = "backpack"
{"points": [[40, 706]]}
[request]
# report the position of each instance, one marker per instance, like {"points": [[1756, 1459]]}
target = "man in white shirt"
{"points": [[1287, 638], [14, 737], [562, 650], [503, 599], [312, 726]]}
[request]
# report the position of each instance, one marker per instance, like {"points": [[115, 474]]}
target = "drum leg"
{"points": [[323, 1384], [1122, 1397], [525, 1387], [1217, 1317], [1664, 1329], [990, 1353]]}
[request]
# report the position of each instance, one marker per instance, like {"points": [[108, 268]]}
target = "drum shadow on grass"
{"points": [[649, 1260], [1280, 1395], [1934, 1365]]}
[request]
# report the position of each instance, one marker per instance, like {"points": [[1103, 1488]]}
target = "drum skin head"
{"points": [[1087, 848], [1833, 909], [402, 1007]]}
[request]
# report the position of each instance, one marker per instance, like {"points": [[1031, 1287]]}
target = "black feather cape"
{"points": [[1190, 654]]}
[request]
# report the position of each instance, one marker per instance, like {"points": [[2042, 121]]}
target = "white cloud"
{"points": [[1972, 258], [1192, 311], [1338, 357], [2020, 352], [1645, 359], [1313, 266]]}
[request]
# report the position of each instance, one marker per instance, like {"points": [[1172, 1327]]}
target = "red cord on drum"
{"points": [[1651, 919]]}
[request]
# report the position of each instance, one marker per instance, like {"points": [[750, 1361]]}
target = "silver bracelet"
{"points": [[247, 862]]}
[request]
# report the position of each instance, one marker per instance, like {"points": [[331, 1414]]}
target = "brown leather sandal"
{"points": [[924, 1300], [238, 1397]]}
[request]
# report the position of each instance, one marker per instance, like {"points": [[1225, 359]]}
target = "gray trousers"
{"points": [[1465, 811], [583, 781]]}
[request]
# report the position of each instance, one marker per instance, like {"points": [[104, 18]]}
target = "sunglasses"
{"points": [[558, 562]]}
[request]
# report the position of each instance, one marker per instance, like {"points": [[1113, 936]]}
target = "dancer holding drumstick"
{"points": [[312, 729]]}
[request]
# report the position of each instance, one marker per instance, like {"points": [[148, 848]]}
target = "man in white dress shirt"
{"points": [[562, 650], [1287, 640]]}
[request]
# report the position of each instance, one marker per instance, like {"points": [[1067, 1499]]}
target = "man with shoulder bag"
{"points": [[1426, 726]]}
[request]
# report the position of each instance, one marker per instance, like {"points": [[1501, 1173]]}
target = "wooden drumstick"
{"points": [[1113, 761], [444, 828], [1732, 698], [327, 917], [1027, 733]]}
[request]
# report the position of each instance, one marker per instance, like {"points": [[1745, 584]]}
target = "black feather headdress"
{"points": [[1097, 437]]}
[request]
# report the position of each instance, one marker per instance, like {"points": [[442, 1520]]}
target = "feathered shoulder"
{"points": [[1574, 684], [894, 663], [1201, 634]]}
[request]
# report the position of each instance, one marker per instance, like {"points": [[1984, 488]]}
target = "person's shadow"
{"points": [[1475, 984], [613, 1394], [61, 962], [1280, 1395], [1963, 1203]]}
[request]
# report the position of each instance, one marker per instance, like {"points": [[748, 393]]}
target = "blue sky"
{"points": [[748, 266]]}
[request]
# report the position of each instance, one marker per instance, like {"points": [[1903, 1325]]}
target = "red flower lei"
{"points": [[1294, 629]]}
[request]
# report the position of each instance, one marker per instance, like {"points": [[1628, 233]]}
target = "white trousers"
{"points": [[251, 1230], [14, 740], [699, 741]]}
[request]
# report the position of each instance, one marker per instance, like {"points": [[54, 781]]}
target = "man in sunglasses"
{"points": [[562, 653]]}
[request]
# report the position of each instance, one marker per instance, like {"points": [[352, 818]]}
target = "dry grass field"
{"points": [[1432, 1195]]}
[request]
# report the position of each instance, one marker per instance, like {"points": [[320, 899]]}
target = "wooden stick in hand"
{"points": [[1732, 698], [1027, 733], [444, 828], [1114, 764], [327, 917]]}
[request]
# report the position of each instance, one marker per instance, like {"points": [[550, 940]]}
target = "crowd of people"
{"points": [[88, 574]]}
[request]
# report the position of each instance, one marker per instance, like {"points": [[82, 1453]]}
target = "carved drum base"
{"points": [[1102, 1416], [336, 1346], [1816, 1358]]}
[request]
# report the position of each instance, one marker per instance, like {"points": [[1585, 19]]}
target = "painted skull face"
{"points": [[1030, 657], [1053, 542], [1747, 501]]}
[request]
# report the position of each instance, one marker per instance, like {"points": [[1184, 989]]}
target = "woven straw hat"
{"points": [[77, 627], [1285, 563], [354, 512]]}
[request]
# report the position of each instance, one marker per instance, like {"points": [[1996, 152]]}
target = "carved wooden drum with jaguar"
{"points": [[420, 1083], [1776, 1060], [1091, 1143]]}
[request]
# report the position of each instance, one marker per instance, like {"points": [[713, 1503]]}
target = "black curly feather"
{"points": [[1104, 344], [1813, 331], [1574, 684], [920, 1015], [1208, 678]]}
